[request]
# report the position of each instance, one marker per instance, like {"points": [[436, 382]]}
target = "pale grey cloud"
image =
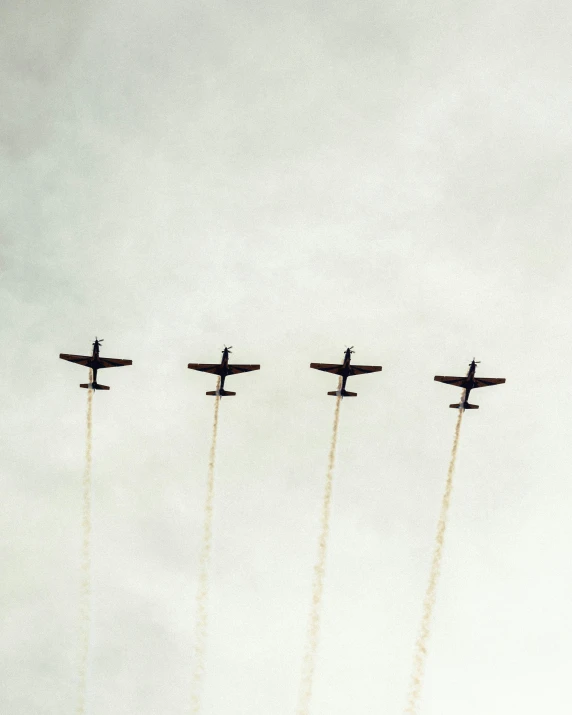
{"points": [[286, 178]]}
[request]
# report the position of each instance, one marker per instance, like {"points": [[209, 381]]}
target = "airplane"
{"points": [[346, 370], [95, 363], [222, 370], [470, 382]]}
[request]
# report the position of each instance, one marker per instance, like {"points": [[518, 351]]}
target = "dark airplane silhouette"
{"points": [[470, 382], [95, 363], [222, 370], [345, 370]]}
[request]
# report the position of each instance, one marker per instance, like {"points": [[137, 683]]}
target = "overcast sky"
{"points": [[288, 178]]}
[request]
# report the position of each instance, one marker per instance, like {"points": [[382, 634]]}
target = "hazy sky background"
{"points": [[288, 178]]}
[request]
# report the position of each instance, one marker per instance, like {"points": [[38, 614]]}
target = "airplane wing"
{"points": [[112, 362], [205, 367], [327, 367], [487, 381], [363, 369], [457, 381], [237, 369], [79, 359]]}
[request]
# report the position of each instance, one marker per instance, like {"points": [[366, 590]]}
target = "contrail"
{"points": [[309, 664], [85, 587], [430, 595], [199, 649]]}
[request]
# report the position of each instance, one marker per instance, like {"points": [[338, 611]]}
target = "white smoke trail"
{"points": [[431, 593], [199, 649], [85, 586], [309, 664]]}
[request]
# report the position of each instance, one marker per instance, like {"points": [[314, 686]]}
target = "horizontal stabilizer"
{"points": [[342, 393], [465, 406], [220, 393], [97, 386]]}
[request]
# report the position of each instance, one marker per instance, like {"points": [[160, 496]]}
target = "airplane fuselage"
{"points": [[94, 364], [223, 367], [346, 367], [470, 381], [95, 361]]}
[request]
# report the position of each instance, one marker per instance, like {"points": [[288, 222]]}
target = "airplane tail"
{"points": [[465, 406], [94, 386], [221, 393], [342, 393]]}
